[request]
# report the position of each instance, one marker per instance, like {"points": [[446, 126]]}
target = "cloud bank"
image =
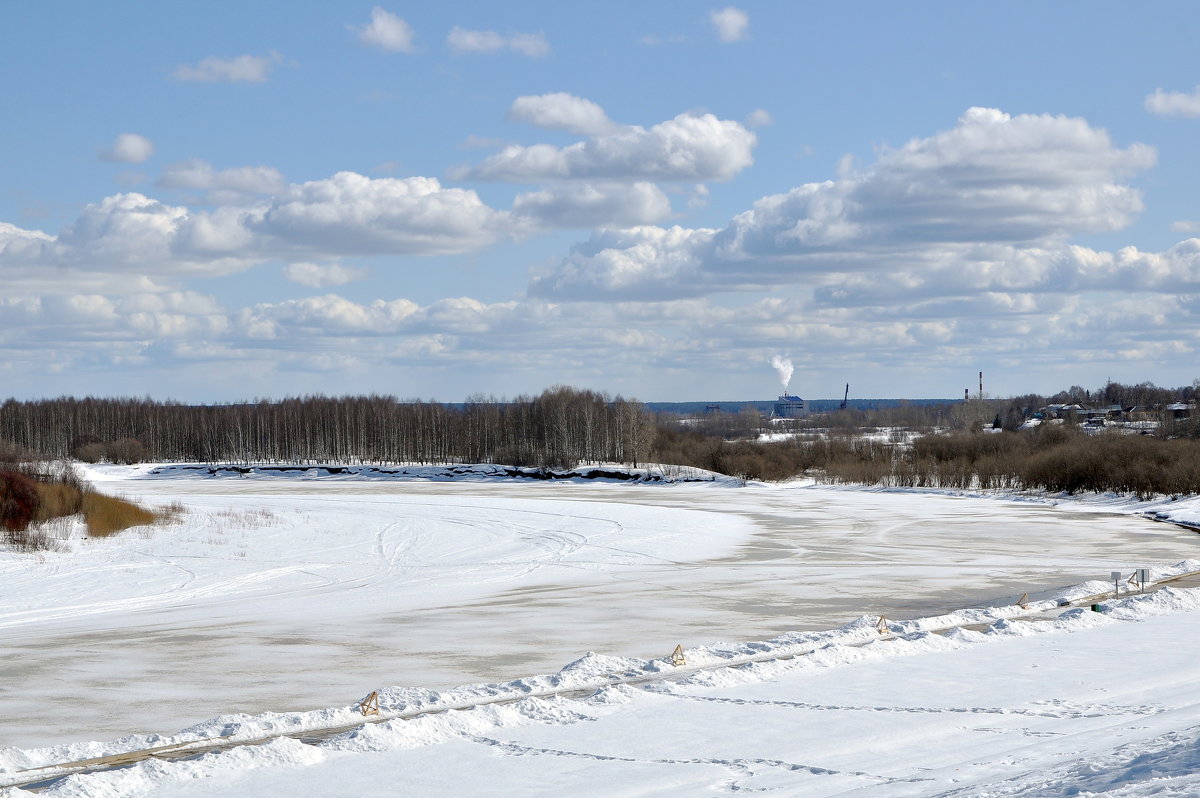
{"points": [[996, 180], [950, 248], [690, 147]]}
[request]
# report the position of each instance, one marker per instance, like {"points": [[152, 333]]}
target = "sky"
{"points": [[225, 201]]}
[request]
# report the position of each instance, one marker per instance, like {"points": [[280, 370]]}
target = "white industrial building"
{"points": [[788, 406]]}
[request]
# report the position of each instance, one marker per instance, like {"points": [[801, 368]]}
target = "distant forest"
{"points": [[561, 427]]}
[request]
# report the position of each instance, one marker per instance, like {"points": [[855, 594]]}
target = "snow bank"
{"points": [[1182, 510], [477, 472], [413, 717]]}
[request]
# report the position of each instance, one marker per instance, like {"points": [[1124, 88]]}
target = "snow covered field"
{"points": [[286, 594]]}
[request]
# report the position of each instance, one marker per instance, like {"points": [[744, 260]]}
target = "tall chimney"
{"points": [[966, 394], [981, 385]]}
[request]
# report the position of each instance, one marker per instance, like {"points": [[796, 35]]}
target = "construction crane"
{"points": [[842, 406]]}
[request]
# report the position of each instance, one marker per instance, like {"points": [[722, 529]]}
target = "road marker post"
{"points": [[369, 705]]}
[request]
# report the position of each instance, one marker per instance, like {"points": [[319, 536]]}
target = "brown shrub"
{"points": [[89, 452], [1054, 457], [18, 501], [13, 453], [126, 451]]}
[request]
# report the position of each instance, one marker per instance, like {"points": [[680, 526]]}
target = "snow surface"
{"points": [[280, 593], [895, 436]]}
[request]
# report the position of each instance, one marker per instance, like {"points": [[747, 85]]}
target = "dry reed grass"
{"points": [[107, 515], [36, 499], [57, 499]]}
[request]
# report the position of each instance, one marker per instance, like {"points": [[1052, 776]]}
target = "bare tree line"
{"points": [[559, 428], [1054, 459], [1050, 458]]}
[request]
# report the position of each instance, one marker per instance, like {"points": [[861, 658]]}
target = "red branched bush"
{"points": [[18, 501]]}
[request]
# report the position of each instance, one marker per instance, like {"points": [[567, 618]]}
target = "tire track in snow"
{"points": [[1170, 757], [1093, 711], [173, 598], [191, 575], [557, 545], [741, 767]]}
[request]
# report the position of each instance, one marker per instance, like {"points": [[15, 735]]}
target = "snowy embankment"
{"points": [[1182, 510], [463, 472], [1088, 701]]}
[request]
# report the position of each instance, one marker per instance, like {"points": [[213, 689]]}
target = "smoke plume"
{"points": [[784, 366]]}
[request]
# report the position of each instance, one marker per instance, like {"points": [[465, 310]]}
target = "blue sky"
{"points": [[219, 201]]}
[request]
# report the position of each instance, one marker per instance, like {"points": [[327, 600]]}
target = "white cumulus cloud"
{"points": [[18, 245], [562, 111], [993, 177], [346, 214], [124, 231], [330, 313], [1174, 103], [594, 205], [636, 263], [322, 275], [463, 40], [759, 117], [349, 213], [386, 31], [691, 147], [238, 69], [731, 23], [1004, 272], [128, 148], [1013, 182], [232, 186]]}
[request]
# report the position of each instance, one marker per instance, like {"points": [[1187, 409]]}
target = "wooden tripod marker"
{"points": [[369, 705], [881, 625], [677, 657], [1023, 601]]}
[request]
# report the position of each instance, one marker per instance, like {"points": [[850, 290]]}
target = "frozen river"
{"points": [[288, 594]]}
